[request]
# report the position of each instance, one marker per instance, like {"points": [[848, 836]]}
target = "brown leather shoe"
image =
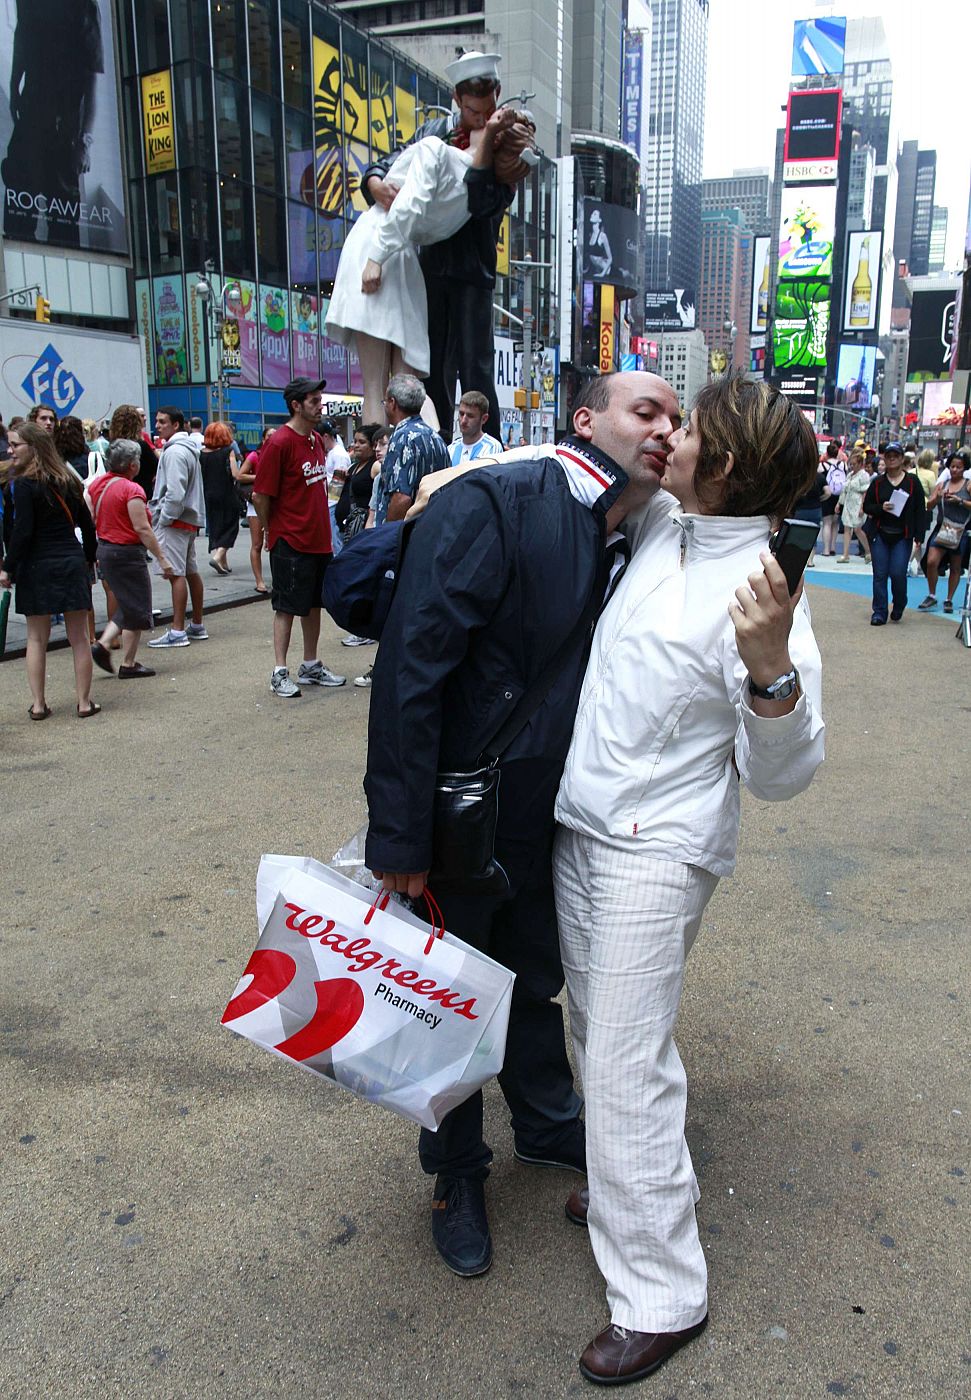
{"points": [[618, 1355], [577, 1205]]}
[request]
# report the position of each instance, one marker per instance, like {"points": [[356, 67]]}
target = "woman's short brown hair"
{"points": [[217, 435], [126, 422], [773, 448]]}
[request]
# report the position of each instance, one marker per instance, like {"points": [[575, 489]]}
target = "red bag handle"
{"points": [[380, 903]]}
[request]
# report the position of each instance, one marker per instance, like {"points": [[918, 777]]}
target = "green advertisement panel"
{"points": [[801, 324]]}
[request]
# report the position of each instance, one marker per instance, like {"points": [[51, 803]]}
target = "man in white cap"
{"points": [[460, 272]]}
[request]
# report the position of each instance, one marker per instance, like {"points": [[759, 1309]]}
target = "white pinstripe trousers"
{"points": [[627, 922]]}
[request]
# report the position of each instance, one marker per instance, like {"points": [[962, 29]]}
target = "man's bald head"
{"points": [[630, 416]]}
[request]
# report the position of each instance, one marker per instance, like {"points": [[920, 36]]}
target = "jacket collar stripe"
{"points": [[584, 466]]}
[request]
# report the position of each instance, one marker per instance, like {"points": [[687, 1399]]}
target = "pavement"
{"points": [[184, 1215]]}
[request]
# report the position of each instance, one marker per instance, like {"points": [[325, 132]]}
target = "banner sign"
{"points": [[669, 311], [243, 343], [606, 329], [304, 343], [861, 295], [611, 243], [146, 330], [761, 284], [61, 176], [275, 337], [630, 127], [502, 248], [158, 124], [168, 299]]}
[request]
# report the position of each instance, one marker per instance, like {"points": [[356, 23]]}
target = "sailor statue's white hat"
{"points": [[473, 65]]}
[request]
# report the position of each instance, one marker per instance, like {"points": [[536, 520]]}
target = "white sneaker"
{"points": [[316, 673], [364, 682], [171, 638], [282, 685], [352, 641]]}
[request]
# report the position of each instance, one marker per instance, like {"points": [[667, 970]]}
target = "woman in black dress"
{"points": [[43, 557], [352, 508], [219, 466]]}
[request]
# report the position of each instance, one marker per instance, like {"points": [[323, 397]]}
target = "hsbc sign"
{"points": [[794, 172]]}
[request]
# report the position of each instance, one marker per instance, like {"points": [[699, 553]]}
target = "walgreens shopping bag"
{"points": [[355, 988]]}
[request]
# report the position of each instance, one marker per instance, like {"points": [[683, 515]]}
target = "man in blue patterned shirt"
{"points": [[415, 449]]}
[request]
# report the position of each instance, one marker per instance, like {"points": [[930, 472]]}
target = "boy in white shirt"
{"points": [[472, 442]]}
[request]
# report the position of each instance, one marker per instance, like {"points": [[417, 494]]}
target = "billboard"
{"points": [[812, 143], [633, 106], [275, 336], [862, 291], [761, 284], [931, 335], [171, 352], [807, 231], [803, 389], [611, 243], [818, 46], [158, 122], [670, 311], [801, 324], [606, 339], [60, 172], [854, 375]]}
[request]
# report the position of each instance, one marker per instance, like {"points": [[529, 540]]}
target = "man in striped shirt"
{"points": [[473, 442]]}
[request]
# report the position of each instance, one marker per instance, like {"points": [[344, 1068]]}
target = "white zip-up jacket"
{"points": [[663, 710]]}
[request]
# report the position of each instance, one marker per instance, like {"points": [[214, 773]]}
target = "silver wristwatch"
{"points": [[780, 689]]}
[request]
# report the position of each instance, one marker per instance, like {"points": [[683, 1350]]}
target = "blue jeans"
{"points": [[890, 559], [337, 544]]}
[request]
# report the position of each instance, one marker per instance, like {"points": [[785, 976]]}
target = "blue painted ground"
{"points": [[852, 578]]}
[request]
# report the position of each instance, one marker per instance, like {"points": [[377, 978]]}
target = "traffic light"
{"points": [[42, 309]]}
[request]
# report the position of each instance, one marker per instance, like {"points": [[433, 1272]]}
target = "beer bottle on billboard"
{"points": [[762, 315], [861, 294]]}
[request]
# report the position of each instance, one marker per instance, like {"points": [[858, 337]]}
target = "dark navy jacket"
{"points": [[470, 254], [497, 573]]}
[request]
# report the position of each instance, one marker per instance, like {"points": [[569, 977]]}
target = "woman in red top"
{"points": [[245, 477], [124, 533]]}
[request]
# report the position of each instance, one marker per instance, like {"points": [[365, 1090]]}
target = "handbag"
{"points": [[356, 989], [949, 535], [465, 807]]}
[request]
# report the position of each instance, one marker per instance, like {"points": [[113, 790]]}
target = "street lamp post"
{"points": [[207, 295]]}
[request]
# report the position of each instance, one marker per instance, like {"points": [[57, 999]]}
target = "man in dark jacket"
{"points": [[460, 272], [498, 572]]}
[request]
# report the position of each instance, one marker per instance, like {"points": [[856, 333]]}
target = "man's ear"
{"points": [[583, 424], [729, 464]]}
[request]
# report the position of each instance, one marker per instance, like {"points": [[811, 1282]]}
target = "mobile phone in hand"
{"points": [[793, 545]]}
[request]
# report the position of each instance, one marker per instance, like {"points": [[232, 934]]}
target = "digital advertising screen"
{"points": [[801, 324], [854, 375], [862, 282], [818, 46], [807, 230], [931, 335], [670, 311], [813, 124]]}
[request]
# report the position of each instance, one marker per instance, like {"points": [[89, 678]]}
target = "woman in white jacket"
{"points": [[697, 681]]}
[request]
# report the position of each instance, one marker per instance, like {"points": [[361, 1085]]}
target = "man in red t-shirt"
{"points": [[290, 498]]}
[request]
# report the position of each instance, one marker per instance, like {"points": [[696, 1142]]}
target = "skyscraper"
{"points": [[915, 207], [938, 239], [745, 190], [724, 292], [672, 175]]}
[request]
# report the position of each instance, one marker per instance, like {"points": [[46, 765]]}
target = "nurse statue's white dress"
{"points": [[431, 205]]}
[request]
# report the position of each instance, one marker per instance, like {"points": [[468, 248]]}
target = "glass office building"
{"points": [[248, 127]]}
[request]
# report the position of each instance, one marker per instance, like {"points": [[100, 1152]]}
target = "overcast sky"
{"points": [[749, 53]]}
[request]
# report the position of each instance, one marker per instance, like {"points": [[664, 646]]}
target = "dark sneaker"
{"points": [[196, 632], [929, 602], [460, 1227], [568, 1152], [101, 656], [948, 606], [896, 614], [878, 621]]}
